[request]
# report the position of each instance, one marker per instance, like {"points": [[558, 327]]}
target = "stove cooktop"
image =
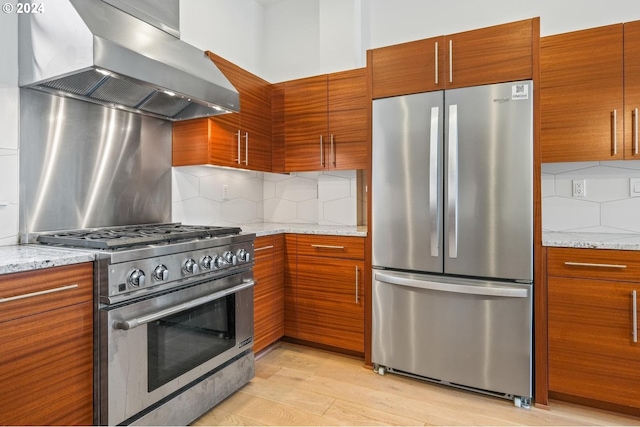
{"points": [[112, 238]]}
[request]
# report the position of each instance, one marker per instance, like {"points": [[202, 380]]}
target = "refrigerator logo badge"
{"points": [[519, 92]]}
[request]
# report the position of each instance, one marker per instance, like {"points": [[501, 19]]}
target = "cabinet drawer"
{"points": [[594, 264], [39, 291], [331, 246]]}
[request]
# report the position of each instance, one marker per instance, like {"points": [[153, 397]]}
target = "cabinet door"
{"points": [[497, 54], [631, 89], [263, 298], [190, 142], [581, 95], [348, 120], [330, 302], [277, 330], [290, 278], [305, 115], [277, 128], [255, 122], [591, 348], [407, 68]]}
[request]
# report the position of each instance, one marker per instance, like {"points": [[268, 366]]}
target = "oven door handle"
{"points": [[138, 321]]}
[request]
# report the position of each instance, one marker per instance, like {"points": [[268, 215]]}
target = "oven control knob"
{"points": [[190, 266], [219, 262], [136, 278], [161, 273], [207, 262], [244, 256], [230, 258]]}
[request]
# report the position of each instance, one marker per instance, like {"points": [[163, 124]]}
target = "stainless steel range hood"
{"points": [[90, 50]]}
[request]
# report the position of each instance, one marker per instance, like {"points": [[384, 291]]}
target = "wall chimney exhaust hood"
{"points": [[90, 50]]}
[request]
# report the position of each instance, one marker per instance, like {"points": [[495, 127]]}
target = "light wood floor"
{"points": [[296, 385]]}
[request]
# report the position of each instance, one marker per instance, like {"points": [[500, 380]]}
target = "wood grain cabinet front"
{"points": [[327, 296], [46, 346], [590, 94], [241, 140], [594, 353], [326, 122], [268, 293]]}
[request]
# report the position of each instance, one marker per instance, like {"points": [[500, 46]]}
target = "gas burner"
{"points": [[113, 238]]}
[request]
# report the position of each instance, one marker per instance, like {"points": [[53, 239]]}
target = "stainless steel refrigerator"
{"points": [[452, 233]]}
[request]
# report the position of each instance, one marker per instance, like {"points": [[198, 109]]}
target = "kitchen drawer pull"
{"points": [[588, 264], [125, 325], [635, 316], [357, 284], [35, 294], [615, 132], [327, 247], [436, 62], [263, 248]]}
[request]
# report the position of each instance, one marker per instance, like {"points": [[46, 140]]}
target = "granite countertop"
{"points": [[18, 258], [621, 241], [267, 229]]}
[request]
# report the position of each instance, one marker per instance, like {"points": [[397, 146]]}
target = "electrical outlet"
{"points": [[225, 192], [579, 188]]}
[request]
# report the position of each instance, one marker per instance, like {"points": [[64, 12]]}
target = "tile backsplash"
{"points": [[210, 195], [610, 204]]}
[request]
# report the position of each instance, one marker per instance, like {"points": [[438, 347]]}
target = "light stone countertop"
{"points": [[19, 258], [621, 241], [267, 229]]}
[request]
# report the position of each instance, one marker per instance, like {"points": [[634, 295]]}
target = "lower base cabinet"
{"points": [[594, 351], [327, 292], [46, 347]]}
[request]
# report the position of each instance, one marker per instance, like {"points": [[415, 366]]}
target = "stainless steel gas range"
{"points": [[174, 318]]}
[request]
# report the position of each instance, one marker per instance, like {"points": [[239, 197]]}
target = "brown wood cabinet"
{"points": [[241, 140], [581, 95], [46, 347], [326, 122], [631, 90], [326, 296], [593, 354], [268, 293], [488, 55]]}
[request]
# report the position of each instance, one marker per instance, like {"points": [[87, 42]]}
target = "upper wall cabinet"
{"points": [[326, 122], [631, 89], [489, 55], [240, 140], [581, 97]]}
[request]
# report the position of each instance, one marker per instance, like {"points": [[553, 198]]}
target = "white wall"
{"points": [[9, 124]]}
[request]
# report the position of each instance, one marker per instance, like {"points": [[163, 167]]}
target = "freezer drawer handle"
{"points": [[455, 288], [139, 321], [35, 294], [588, 264]]}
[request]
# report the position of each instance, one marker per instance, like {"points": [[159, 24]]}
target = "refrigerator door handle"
{"points": [[452, 182], [433, 182], [455, 288]]}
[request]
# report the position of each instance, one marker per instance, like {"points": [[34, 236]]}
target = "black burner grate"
{"points": [[134, 235]]}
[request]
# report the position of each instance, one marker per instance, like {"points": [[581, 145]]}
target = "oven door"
{"points": [[153, 348]]}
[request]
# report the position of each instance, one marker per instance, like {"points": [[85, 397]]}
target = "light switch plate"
{"points": [[634, 187]]}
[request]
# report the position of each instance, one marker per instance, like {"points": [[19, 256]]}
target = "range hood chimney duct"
{"points": [[90, 50]]}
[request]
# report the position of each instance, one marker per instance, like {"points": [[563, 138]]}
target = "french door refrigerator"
{"points": [[452, 233]]}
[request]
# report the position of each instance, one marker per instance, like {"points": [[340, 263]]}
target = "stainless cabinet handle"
{"points": [[239, 136], [635, 131], [635, 317], [615, 132], [357, 284], [246, 148], [588, 264], [327, 247], [138, 321], [333, 153], [35, 294], [263, 248], [452, 182], [321, 153], [433, 182], [436, 61], [450, 61]]}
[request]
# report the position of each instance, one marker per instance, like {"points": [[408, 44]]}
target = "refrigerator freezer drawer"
{"points": [[463, 332]]}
